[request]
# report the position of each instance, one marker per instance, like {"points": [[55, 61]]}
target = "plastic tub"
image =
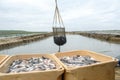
{"points": [[3, 58], [99, 71], [54, 74]]}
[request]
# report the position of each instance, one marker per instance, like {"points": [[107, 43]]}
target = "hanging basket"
{"points": [[58, 28], [59, 35]]}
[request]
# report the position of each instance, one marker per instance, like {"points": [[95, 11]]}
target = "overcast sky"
{"points": [[37, 15]]}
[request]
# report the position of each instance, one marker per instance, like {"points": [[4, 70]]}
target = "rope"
{"points": [[57, 20]]}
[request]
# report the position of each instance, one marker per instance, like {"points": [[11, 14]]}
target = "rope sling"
{"points": [[59, 35]]}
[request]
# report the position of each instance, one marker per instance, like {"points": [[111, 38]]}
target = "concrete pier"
{"points": [[15, 41], [115, 38]]}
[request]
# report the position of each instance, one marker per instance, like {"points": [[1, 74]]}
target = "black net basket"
{"points": [[59, 35]]}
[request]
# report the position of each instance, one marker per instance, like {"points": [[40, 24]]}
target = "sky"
{"points": [[77, 15]]}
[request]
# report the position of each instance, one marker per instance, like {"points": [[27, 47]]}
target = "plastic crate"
{"points": [[99, 71], [54, 74], [3, 58]]}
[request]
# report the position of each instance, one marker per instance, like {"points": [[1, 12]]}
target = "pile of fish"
{"points": [[32, 64], [78, 60]]}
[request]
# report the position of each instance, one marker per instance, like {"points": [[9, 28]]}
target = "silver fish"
{"points": [[78, 60], [41, 63]]}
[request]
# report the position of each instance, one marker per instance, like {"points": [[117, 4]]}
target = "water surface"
{"points": [[74, 42]]}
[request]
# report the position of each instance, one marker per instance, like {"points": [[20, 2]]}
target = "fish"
{"points": [[78, 60], [31, 64]]}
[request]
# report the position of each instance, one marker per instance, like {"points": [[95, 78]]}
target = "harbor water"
{"points": [[74, 42]]}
